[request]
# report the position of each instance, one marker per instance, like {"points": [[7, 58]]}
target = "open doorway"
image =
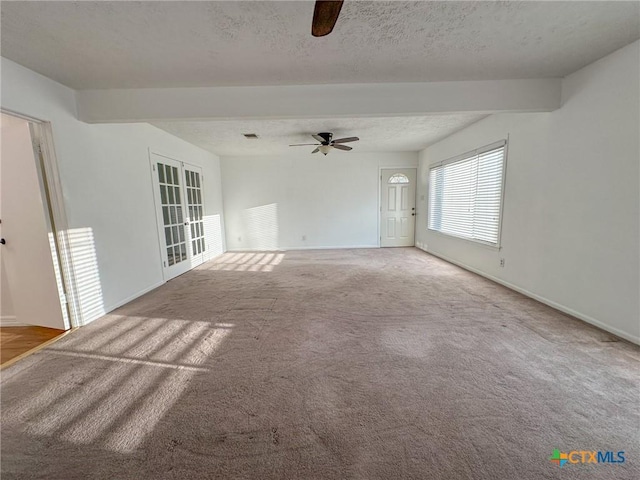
{"points": [[33, 307]]}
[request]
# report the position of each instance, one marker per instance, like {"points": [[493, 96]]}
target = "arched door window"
{"points": [[398, 178]]}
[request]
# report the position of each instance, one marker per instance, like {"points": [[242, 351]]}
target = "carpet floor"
{"points": [[336, 364]]}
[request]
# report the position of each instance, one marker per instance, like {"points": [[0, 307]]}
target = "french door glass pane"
{"points": [[172, 215], [194, 200]]}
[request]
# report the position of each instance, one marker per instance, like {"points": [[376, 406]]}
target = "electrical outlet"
{"points": [[239, 239], [304, 238], [502, 262]]}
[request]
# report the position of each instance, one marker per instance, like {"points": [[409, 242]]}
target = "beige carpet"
{"points": [[364, 364]]}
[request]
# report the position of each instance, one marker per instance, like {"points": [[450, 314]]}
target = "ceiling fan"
{"points": [[325, 16], [327, 143]]}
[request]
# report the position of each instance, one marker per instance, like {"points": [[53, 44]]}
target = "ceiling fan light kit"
{"points": [[324, 149]]}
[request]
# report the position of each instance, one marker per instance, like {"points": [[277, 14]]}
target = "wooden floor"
{"points": [[15, 341]]}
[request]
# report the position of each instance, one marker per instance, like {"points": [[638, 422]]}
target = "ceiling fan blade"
{"points": [[302, 144], [345, 140], [342, 147], [325, 16], [318, 138], [316, 150]]}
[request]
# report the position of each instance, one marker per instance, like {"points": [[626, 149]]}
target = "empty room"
{"points": [[320, 240]]}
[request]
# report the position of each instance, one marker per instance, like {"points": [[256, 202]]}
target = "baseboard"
{"points": [[289, 249], [131, 298], [345, 247], [11, 321], [541, 299], [120, 303]]}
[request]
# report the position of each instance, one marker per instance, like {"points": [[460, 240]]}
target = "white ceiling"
{"points": [[376, 134], [167, 44]]}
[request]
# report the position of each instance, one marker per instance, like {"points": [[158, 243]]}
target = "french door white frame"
{"points": [[183, 226], [400, 167]]}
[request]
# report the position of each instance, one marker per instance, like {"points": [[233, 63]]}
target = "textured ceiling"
{"points": [[376, 134], [164, 44]]}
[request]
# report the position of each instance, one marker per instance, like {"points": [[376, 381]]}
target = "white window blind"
{"points": [[465, 194]]}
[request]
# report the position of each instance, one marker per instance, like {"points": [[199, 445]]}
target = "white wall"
{"points": [[272, 202], [571, 210], [106, 180]]}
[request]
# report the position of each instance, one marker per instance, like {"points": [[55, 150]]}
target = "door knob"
{"points": [[3, 241]]}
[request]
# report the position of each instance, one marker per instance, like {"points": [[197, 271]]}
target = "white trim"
{"points": [[11, 321], [134, 296], [28, 118], [289, 249], [120, 303], [131, 298], [165, 154], [562, 308], [505, 157], [470, 154], [159, 221], [148, 289], [44, 153]]}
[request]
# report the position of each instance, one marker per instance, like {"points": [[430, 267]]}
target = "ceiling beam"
{"points": [[317, 101]]}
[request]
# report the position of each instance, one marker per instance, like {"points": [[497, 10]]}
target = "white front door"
{"points": [[397, 207]]}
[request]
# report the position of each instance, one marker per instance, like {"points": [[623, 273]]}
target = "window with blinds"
{"points": [[465, 194]]}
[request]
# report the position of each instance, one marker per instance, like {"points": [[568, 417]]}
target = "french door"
{"points": [[180, 209], [193, 185]]}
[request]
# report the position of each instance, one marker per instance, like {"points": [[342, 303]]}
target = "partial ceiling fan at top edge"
{"points": [[325, 16]]}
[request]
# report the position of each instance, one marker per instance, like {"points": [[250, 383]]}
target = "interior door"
{"points": [[30, 292], [195, 211], [172, 221], [397, 207]]}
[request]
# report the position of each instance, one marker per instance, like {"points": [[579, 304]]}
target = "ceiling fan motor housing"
{"points": [[327, 137]]}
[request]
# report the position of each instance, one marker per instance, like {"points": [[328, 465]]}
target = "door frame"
{"points": [[412, 167], [56, 214]]}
